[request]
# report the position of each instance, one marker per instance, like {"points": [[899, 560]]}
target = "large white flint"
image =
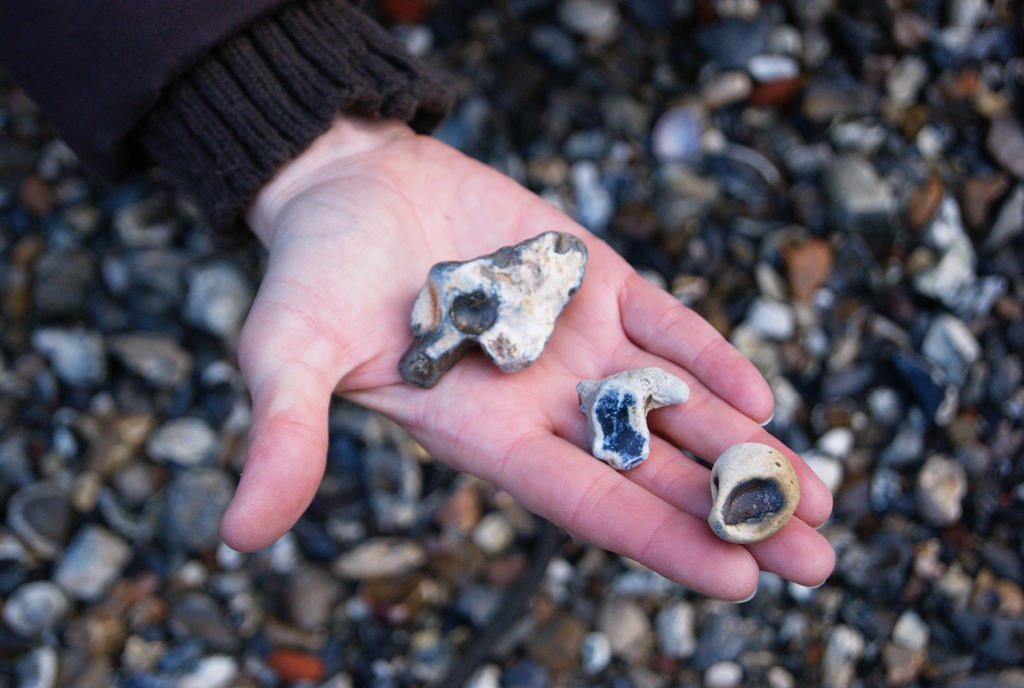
{"points": [[506, 302]]}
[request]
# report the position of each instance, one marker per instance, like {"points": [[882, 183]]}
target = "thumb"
{"points": [[285, 459]]}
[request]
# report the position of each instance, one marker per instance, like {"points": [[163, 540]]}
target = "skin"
{"points": [[352, 226]]}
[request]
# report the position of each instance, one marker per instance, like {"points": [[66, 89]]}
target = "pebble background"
{"points": [[836, 186]]}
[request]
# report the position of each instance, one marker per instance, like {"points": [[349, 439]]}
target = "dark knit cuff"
{"points": [[259, 99]]}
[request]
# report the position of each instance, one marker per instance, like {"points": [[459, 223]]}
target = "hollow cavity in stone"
{"points": [[754, 491], [505, 302], [616, 410]]}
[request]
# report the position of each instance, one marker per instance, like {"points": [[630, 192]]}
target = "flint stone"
{"points": [[506, 302], [754, 491], [616, 410]]}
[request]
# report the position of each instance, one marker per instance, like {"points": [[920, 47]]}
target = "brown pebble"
{"points": [[556, 644], [909, 29], [774, 93], [636, 221], [36, 196], [808, 265], [296, 665], [925, 201], [979, 193]]}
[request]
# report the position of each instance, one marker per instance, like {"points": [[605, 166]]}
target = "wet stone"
{"points": [[616, 410], [506, 302]]}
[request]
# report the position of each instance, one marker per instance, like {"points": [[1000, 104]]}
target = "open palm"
{"points": [[352, 228]]}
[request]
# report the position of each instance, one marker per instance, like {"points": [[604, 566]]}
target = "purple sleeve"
{"points": [[96, 66]]}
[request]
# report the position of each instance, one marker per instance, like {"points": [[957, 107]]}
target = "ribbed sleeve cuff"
{"points": [[224, 127]]}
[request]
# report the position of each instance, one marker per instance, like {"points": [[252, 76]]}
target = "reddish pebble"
{"points": [[297, 665], [411, 11], [774, 93]]}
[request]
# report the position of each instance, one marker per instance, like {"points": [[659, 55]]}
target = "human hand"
{"points": [[352, 227]]}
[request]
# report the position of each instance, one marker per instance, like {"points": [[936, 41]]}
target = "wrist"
{"points": [[347, 139]]}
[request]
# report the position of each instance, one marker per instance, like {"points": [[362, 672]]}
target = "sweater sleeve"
{"points": [[96, 66], [260, 98], [220, 93]]}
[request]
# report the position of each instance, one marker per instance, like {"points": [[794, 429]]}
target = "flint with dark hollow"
{"points": [[754, 492], [616, 409], [506, 303]]}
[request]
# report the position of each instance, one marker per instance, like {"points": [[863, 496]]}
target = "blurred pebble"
{"points": [[218, 298], [159, 360], [1005, 143], [35, 607], [910, 631], [494, 534], [91, 563], [675, 631], [215, 671], [380, 557], [597, 20], [771, 319], [37, 668], [843, 649], [627, 628], [676, 135], [195, 501], [723, 675], [39, 514], [183, 441], [78, 356], [941, 486], [595, 652]]}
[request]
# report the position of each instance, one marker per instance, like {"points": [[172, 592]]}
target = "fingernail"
{"points": [[747, 599], [770, 419]]}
